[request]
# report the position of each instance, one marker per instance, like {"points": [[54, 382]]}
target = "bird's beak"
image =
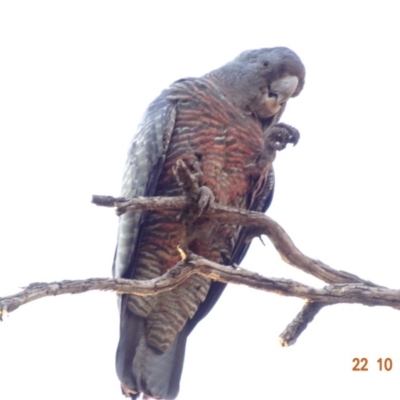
{"points": [[279, 92], [284, 88]]}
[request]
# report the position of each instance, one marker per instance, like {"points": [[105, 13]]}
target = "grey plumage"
{"points": [[219, 124]]}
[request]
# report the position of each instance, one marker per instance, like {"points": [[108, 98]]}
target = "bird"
{"points": [[224, 127]]}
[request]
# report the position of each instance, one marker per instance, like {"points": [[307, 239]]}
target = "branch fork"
{"points": [[343, 287]]}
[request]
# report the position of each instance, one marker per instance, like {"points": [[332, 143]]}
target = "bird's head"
{"points": [[280, 74], [261, 81]]}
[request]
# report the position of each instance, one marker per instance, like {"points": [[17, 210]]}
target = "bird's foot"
{"points": [[190, 182], [128, 392], [280, 135], [205, 199], [187, 180]]}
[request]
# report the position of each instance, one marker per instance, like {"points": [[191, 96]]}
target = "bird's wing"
{"points": [[143, 167]]}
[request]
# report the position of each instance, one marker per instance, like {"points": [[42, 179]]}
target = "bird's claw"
{"points": [[128, 392], [280, 135], [205, 199]]}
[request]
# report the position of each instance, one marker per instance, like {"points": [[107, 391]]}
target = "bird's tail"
{"points": [[143, 369]]}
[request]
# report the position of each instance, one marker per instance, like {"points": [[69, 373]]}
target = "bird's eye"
{"points": [[265, 63], [272, 94]]}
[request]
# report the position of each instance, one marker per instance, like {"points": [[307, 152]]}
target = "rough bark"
{"points": [[343, 287]]}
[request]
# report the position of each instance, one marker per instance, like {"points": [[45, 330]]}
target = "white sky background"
{"points": [[75, 78]]}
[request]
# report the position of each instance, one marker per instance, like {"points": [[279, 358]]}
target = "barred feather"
{"points": [[209, 125]]}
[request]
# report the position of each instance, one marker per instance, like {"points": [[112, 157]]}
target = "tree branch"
{"points": [[194, 264], [300, 322], [343, 287], [262, 224]]}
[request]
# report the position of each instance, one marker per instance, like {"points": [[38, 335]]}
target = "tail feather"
{"points": [[143, 369]]}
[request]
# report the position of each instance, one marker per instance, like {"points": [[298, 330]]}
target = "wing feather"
{"points": [[143, 167]]}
